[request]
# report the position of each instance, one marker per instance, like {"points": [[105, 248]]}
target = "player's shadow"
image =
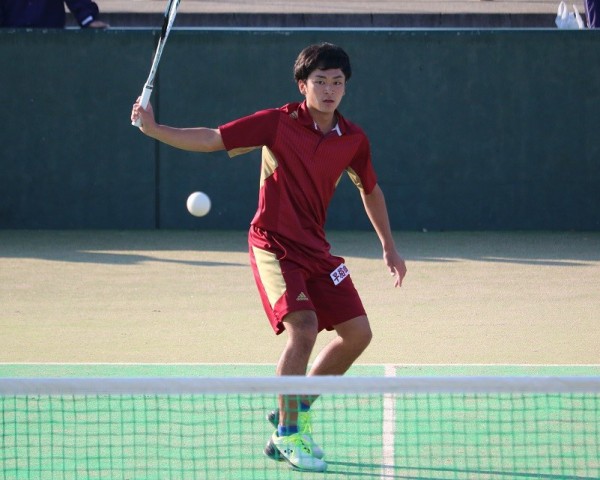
{"points": [[378, 470], [135, 259], [127, 247], [549, 249]]}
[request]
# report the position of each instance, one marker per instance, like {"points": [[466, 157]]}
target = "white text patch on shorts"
{"points": [[339, 274]]}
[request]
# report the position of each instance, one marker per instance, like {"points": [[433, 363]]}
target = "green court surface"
{"points": [[76, 370], [438, 436]]}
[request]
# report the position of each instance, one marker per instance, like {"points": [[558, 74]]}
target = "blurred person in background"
{"points": [[591, 12], [48, 13]]}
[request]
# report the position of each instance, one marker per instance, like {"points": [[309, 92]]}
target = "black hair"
{"points": [[323, 56]]}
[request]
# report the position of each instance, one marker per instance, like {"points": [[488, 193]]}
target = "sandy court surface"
{"points": [[175, 296]]}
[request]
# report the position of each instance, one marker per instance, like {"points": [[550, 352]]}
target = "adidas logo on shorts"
{"points": [[302, 297]]}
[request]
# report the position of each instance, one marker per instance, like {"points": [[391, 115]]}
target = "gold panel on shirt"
{"points": [[270, 274], [269, 164], [355, 178], [240, 151]]}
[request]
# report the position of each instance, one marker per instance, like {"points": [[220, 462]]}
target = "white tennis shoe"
{"points": [[304, 428], [295, 450]]}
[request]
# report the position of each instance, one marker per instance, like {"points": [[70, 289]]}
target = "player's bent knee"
{"points": [[356, 332], [364, 338]]}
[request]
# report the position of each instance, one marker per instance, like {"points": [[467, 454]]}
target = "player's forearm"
{"points": [[376, 209], [198, 139], [377, 212]]}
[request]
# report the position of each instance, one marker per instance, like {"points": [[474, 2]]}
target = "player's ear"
{"points": [[302, 86]]}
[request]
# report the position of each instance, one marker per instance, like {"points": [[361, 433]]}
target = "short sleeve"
{"points": [[361, 169], [247, 133]]}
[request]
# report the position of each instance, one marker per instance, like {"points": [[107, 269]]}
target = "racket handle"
{"points": [[145, 98]]}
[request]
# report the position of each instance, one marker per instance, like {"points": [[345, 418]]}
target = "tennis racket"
{"points": [[170, 13]]}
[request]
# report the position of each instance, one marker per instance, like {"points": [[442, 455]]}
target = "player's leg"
{"points": [[282, 290], [353, 337], [302, 330], [292, 417], [338, 307], [288, 442]]}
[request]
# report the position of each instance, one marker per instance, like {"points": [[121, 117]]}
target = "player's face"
{"points": [[324, 89]]}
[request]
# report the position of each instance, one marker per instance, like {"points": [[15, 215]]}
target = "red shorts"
{"points": [[289, 283]]}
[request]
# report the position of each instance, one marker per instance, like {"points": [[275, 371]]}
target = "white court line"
{"points": [[389, 428], [250, 364]]}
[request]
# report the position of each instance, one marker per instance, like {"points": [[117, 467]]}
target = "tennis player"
{"points": [[306, 148]]}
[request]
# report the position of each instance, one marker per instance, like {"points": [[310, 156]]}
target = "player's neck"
{"points": [[326, 121]]}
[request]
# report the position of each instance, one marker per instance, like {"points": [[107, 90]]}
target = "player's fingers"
{"points": [[399, 273], [398, 279], [394, 274], [135, 114]]}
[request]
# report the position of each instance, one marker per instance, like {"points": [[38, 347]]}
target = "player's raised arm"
{"points": [[376, 210], [199, 139]]}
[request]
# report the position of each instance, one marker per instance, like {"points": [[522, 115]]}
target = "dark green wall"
{"points": [[469, 129]]}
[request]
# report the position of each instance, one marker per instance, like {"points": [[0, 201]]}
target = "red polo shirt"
{"points": [[301, 168]]}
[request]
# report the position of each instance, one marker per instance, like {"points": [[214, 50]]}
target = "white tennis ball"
{"points": [[198, 204]]}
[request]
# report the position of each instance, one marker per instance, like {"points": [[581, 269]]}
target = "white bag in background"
{"points": [[568, 20]]}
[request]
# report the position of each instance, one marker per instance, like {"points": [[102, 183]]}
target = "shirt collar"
{"points": [[305, 118]]}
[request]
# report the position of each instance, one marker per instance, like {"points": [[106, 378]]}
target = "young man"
{"points": [[48, 13], [306, 147]]}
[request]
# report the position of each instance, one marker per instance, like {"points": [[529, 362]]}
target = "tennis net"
{"points": [[369, 427]]}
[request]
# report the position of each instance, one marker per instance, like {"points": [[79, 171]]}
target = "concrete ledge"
{"points": [[334, 20]]}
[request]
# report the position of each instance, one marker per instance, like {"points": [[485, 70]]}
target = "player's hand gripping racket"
{"points": [[170, 13]]}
